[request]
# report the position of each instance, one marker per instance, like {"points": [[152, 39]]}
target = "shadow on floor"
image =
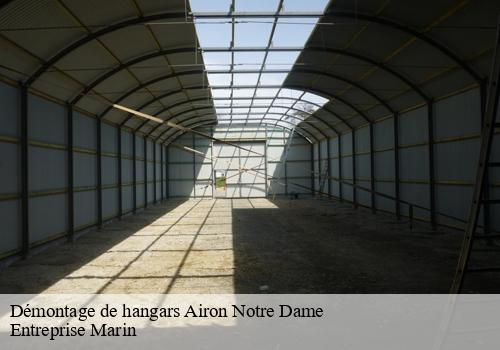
{"points": [[41, 271], [325, 247], [249, 246]]}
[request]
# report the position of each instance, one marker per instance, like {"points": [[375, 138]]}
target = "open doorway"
{"points": [[220, 183], [243, 169]]}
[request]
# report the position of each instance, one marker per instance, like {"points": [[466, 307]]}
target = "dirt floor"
{"points": [[248, 246]]}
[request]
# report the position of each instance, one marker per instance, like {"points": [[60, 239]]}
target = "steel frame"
{"points": [[25, 236], [165, 16], [70, 172]]}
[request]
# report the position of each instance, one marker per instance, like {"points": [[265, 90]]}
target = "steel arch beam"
{"points": [[302, 133], [378, 64], [95, 35], [389, 70], [348, 81], [139, 87], [146, 57], [198, 116], [202, 99], [329, 14], [206, 122], [126, 65], [332, 97], [403, 28], [188, 101]]}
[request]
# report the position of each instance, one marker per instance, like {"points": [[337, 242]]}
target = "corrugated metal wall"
{"points": [[455, 146], [48, 178], [291, 176]]}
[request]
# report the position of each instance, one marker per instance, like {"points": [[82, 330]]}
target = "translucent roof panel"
{"points": [[210, 6], [252, 34], [243, 92], [262, 102], [245, 79], [272, 78], [213, 33], [219, 79], [300, 27], [290, 93], [281, 60], [217, 60], [314, 98], [304, 6], [221, 93], [284, 102], [256, 5], [222, 103], [263, 92], [248, 59]]}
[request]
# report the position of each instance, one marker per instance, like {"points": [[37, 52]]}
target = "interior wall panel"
{"points": [[47, 217], [85, 209], [9, 169]]}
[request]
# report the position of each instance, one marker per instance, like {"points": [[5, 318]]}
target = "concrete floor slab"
{"points": [[241, 245]]}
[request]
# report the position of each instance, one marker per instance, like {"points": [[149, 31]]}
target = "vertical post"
{"points": [[410, 214], [167, 175], [329, 170], [120, 175], [372, 169], [396, 165], [265, 161], [134, 172], [99, 173], [354, 192], [194, 165], [486, 183], [145, 172], [154, 173], [432, 190], [161, 173], [339, 144], [286, 176], [71, 186], [312, 170], [25, 238], [320, 189]]}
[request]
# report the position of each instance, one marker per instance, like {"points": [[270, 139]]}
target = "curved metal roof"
{"points": [[367, 62]]}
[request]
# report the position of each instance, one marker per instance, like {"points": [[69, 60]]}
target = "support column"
{"points": [[167, 175], [319, 169], [396, 166], [339, 145], [154, 173], [99, 173], [312, 171], [71, 185], [266, 189], [194, 166], [120, 175], [286, 177], [134, 173], [161, 173], [432, 190], [329, 170], [354, 194], [486, 182], [372, 170], [25, 237], [145, 172]]}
